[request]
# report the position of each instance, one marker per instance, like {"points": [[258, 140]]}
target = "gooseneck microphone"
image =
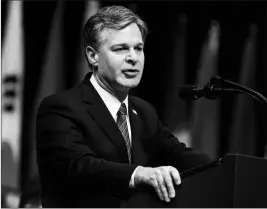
{"points": [[195, 92], [215, 87]]}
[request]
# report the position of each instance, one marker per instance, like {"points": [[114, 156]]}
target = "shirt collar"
{"points": [[112, 103]]}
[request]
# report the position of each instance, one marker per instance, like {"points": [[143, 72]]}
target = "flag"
{"points": [[91, 7], [52, 80], [205, 115], [243, 133], [174, 112], [12, 95]]}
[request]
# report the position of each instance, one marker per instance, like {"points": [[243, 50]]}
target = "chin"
{"points": [[127, 86], [130, 83]]}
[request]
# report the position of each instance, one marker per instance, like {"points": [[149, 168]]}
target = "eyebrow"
{"points": [[126, 45]]}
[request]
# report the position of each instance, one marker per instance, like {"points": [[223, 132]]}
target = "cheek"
{"points": [[115, 61], [142, 60]]}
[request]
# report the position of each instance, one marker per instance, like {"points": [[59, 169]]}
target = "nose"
{"points": [[132, 56]]}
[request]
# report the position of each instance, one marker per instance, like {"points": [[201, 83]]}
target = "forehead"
{"points": [[130, 35]]}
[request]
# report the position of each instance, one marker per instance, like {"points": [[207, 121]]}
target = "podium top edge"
{"points": [[242, 155]]}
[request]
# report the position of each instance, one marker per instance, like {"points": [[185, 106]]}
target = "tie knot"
{"points": [[122, 110]]}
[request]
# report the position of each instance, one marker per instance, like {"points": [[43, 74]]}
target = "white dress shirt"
{"points": [[113, 105]]}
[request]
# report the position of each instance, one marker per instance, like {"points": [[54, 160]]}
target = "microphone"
{"points": [[195, 92], [215, 87]]}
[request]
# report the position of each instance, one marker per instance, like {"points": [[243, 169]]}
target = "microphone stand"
{"points": [[212, 90], [218, 84]]}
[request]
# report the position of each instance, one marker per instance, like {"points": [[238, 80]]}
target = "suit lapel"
{"points": [[138, 153], [98, 110]]}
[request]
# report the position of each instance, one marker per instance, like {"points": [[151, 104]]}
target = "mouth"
{"points": [[130, 73]]}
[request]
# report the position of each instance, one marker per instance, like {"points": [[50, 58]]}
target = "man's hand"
{"points": [[160, 178]]}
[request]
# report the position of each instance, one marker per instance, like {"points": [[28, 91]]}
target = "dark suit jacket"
{"points": [[82, 156]]}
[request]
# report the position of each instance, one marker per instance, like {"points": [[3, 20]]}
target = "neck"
{"points": [[120, 95]]}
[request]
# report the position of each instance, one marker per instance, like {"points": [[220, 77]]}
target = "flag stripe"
{"points": [[12, 78]]}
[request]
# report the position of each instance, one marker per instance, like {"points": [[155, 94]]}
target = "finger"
{"points": [[162, 187], [155, 185], [169, 184], [175, 175]]}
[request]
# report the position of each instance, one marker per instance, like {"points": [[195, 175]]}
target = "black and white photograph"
{"points": [[139, 104]]}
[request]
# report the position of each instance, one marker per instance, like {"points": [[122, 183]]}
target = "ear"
{"points": [[92, 56]]}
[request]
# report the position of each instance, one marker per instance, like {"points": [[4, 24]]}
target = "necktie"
{"points": [[122, 124]]}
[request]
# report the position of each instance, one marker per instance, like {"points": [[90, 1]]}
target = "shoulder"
{"points": [[144, 107], [62, 99], [140, 103]]}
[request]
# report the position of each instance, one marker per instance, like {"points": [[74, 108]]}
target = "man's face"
{"points": [[121, 58]]}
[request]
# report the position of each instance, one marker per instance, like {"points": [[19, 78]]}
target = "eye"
{"points": [[139, 48], [120, 49]]}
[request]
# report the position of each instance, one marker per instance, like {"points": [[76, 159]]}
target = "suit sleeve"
{"points": [[64, 157]]}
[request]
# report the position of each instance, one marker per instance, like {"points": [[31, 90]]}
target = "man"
{"points": [[96, 143]]}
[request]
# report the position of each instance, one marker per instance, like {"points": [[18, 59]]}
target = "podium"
{"points": [[232, 181]]}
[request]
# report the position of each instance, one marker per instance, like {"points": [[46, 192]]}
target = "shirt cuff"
{"points": [[131, 185]]}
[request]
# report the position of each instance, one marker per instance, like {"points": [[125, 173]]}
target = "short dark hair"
{"points": [[114, 17]]}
